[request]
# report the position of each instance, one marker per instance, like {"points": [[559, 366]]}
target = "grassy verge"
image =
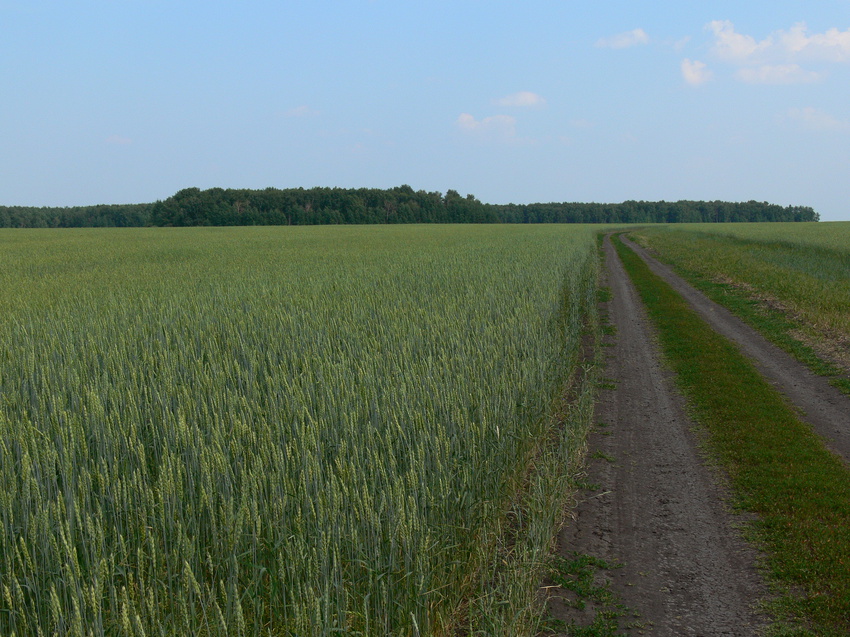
{"points": [[776, 326], [779, 469]]}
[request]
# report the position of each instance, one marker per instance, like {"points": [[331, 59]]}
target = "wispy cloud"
{"points": [[495, 127], [778, 58], [695, 72], [624, 40], [778, 74], [118, 140], [523, 98], [815, 119], [734, 47], [681, 43]]}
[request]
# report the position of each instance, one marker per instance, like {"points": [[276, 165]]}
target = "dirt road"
{"points": [[820, 404], [658, 508]]}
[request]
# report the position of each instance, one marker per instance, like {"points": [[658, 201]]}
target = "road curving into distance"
{"points": [[820, 404]]}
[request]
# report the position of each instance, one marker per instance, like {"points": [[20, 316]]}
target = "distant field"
{"points": [[832, 235], [285, 431], [801, 270]]}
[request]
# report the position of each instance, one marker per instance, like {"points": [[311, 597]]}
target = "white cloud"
{"points": [[523, 98], [118, 140], [794, 45], [831, 46], [732, 46], [624, 40], [695, 72], [495, 127], [777, 74], [815, 119]]}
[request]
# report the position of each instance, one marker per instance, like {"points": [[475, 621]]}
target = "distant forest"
{"points": [[319, 206]]}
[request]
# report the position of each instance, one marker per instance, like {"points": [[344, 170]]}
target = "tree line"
{"points": [[321, 206]]}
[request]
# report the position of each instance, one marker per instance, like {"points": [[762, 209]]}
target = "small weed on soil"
{"points": [[584, 589]]}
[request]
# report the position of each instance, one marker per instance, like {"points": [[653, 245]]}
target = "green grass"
{"points": [[779, 469], [287, 431]]}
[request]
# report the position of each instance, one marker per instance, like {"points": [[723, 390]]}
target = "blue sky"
{"points": [[129, 101]]}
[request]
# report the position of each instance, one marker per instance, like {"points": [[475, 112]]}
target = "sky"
{"points": [[129, 101]]}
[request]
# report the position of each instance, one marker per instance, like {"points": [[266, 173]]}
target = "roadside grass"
{"points": [[779, 469]]}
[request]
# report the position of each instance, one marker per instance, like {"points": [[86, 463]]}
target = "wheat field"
{"points": [[272, 431]]}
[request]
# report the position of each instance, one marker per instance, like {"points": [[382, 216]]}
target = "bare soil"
{"points": [[654, 505]]}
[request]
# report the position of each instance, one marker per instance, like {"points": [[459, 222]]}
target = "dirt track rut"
{"points": [[658, 509]]}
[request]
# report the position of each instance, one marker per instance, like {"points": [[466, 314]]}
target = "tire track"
{"points": [[658, 509]]}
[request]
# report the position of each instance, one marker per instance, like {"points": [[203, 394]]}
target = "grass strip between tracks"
{"points": [[779, 468]]}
